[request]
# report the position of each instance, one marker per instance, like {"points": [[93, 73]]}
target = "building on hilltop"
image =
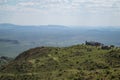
{"points": [[93, 43]]}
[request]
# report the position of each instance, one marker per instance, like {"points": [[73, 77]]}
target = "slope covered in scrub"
{"points": [[78, 62]]}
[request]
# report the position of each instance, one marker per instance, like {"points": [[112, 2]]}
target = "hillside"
{"points": [[78, 62], [4, 60]]}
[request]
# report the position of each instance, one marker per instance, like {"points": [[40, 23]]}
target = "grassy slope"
{"points": [[79, 62]]}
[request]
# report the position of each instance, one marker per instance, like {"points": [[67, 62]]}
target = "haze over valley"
{"points": [[15, 39]]}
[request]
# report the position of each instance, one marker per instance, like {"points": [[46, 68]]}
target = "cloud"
{"points": [[66, 6], [28, 3], [3, 1], [80, 5], [76, 11], [8, 8]]}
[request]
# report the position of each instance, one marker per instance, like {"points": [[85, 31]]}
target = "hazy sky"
{"points": [[61, 12]]}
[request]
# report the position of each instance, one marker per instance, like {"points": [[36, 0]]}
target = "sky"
{"points": [[61, 12]]}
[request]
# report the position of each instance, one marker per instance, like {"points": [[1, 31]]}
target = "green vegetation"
{"points": [[4, 60], [79, 62]]}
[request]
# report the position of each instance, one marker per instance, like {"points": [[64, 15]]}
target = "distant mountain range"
{"points": [[11, 41], [15, 39], [13, 25]]}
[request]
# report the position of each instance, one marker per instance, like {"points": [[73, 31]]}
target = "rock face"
{"points": [[79, 62]]}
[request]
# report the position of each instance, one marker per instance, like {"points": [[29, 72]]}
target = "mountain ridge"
{"points": [[10, 24], [67, 26]]}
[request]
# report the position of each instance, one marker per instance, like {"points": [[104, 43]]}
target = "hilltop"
{"points": [[78, 62]]}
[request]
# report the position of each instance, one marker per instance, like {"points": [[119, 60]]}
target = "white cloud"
{"points": [[68, 5], [63, 11], [28, 3], [8, 8], [3, 1]]}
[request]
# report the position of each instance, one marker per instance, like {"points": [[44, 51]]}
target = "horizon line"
{"points": [[37, 25]]}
